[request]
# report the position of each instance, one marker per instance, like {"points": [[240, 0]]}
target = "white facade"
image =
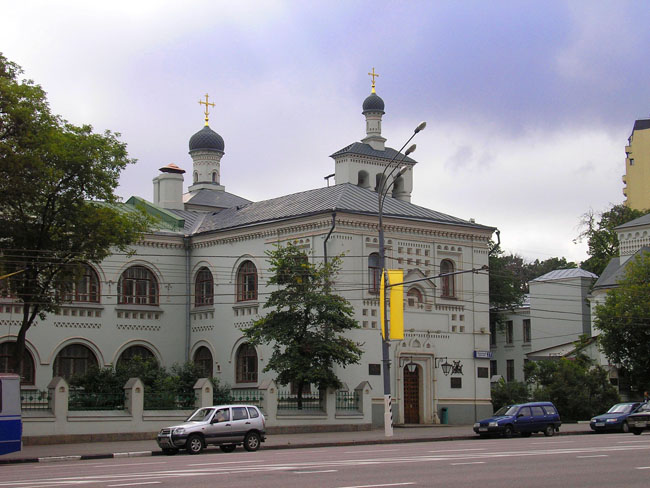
{"points": [[442, 321]]}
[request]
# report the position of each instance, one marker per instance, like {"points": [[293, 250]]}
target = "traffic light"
{"points": [[396, 294]]}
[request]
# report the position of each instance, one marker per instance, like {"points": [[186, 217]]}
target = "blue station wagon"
{"points": [[524, 418]]}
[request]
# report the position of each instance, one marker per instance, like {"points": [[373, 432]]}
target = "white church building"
{"points": [[192, 285]]}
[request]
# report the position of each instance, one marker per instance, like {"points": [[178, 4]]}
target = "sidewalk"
{"points": [[101, 450]]}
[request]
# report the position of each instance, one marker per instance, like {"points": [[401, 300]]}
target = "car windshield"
{"points": [[507, 410], [200, 415], [621, 408], [644, 408]]}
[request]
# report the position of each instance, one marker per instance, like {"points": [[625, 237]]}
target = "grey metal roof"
{"points": [[643, 220], [563, 274], [343, 198], [614, 271], [366, 150], [211, 198]]}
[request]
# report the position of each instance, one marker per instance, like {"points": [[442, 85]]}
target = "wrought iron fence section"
{"points": [[84, 400], [347, 400], [157, 400], [289, 401], [35, 399]]}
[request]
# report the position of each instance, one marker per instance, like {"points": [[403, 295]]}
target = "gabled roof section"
{"points": [[643, 220], [366, 150], [344, 197], [614, 271], [564, 274], [211, 198], [165, 218]]}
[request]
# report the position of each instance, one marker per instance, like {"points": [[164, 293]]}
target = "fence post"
{"points": [[365, 402], [59, 393], [203, 393], [330, 403], [134, 398], [269, 391]]}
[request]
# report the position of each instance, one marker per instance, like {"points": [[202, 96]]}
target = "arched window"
{"points": [[195, 177], [203, 288], [138, 286], [247, 282], [414, 297], [135, 351], [27, 376], [380, 181], [75, 359], [214, 177], [363, 180], [84, 289], [448, 285], [246, 364], [374, 273], [398, 187], [203, 361]]}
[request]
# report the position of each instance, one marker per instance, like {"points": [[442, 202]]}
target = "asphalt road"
{"points": [[593, 461]]}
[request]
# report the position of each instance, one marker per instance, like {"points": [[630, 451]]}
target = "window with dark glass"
{"points": [[135, 351], [246, 364], [374, 273], [509, 332], [27, 376], [510, 370], [526, 327], [448, 284], [493, 367], [137, 286], [414, 297], [247, 282], [203, 288], [493, 335], [456, 382], [203, 361], [75, 359]]}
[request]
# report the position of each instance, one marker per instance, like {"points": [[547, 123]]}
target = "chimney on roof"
{"points": [[168, 188]]}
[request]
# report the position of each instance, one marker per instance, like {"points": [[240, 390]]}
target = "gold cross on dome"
{"points": [[206, 103], [373, 74]]}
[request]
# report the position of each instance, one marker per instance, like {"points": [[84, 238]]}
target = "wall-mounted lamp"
{"points": [[411, 367], [446, 366]]}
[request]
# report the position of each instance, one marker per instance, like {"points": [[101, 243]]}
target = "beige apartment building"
{"points": [[637, 167]]}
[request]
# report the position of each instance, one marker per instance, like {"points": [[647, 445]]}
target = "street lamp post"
{"points": [[382, 192]]}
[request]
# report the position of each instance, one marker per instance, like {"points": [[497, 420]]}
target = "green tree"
{"points": [[578, 388], [306, 323], [624, 322], [509, 392], [58, 209], [506, 290], [598, 230]]}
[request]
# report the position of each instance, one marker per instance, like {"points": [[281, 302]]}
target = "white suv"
{"points": [[226, 426]]}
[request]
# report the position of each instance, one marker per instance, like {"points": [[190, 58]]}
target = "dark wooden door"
{"points": [[411, 396]]}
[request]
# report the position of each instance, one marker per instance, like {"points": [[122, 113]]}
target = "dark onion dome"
{"points": [[206, 139], [373, 103]]}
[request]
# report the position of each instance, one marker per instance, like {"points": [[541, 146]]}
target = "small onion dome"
{"points": [[206, 139], [373, 103], [172, 168]]}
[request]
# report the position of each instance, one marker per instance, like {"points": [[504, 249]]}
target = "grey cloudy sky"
{"points": [[529, 104]]}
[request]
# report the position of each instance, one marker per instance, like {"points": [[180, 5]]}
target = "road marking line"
{"points": [[143, 483], [377, 486], [551, 442], [228, 462], [323, 471], [595, 455], [643, 467], [376, 450], [458, 450], [122, 465], [461, 464]]}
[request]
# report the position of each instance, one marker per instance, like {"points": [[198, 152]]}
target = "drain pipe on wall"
{"points": [[188, 297], [328, 236]]}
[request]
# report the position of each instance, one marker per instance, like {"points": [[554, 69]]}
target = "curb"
{"points": [[86, 457]]}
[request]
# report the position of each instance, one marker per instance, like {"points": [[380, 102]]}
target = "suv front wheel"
{"points": [[194, 444], [252, 441]]}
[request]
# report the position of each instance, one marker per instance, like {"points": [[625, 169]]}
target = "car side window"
{"points": [[239, 413], [538, 412], [253, 412], [524, 412], [222, 415], [550, 410]]}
